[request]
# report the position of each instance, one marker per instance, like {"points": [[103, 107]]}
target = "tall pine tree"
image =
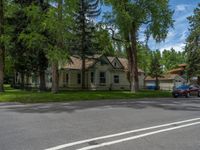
{"points": [[85, 44], [193, 45], [26, 52], [34, 37]]}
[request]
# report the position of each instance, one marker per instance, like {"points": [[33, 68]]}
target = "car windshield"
{"points": [[182, 87], [194, 86]]}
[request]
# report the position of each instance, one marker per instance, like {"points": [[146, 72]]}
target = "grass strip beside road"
{"points": [[15, 95]]}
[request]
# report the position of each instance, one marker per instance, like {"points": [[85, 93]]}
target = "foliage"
{"points": [[9, 67], [155, 70], [193, 44], [144, 57], [59, 30], [23, 56], [171, 59], [105, 43], [129, 16], [85, 42], [155, 66], [156, 15]]}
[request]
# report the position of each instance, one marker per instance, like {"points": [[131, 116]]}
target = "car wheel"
{"points": [[175, 96], [187, 95], [198, 94]]}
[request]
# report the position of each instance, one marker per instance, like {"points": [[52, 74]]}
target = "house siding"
{"points": [[167, 84], [104, 64], [96, 85], [101, 68]]}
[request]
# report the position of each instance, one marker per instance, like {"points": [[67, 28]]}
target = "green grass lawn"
{"points": [[13, 95]]}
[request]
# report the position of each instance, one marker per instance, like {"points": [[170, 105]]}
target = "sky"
{"points": [[178, 34]]}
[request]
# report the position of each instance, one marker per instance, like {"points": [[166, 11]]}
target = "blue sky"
{"points": [[177, 35]]}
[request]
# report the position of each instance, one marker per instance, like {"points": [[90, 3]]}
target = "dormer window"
{"points": [[115, 64]]}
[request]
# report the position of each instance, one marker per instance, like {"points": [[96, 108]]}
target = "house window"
{"points": [[67, 78], [102, 77], [79, 78], [116, 78], [92, 77]]}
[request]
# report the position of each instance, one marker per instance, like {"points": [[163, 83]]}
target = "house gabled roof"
{"points": [[76, 62], [176, 71], [182, 65], [124, 62], [112, 59], [165, 77]]}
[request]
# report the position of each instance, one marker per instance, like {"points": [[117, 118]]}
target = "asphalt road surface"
{"points": [[149, 124]]}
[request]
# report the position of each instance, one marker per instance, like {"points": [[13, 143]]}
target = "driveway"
{"points": [[148, 124]]}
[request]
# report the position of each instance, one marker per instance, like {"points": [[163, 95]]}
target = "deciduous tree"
{"points": [[129, 16]]}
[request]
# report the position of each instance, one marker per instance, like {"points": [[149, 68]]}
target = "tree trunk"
{"points": [[83, 73], [130, 62], [42, 81], [198, 80], [14, 79], [130, 69], [55, 78], [83, 47], [27, 82], [2, 48], [22, 80], [134, 55], [1, 68], [55, 73], [157, 84]]}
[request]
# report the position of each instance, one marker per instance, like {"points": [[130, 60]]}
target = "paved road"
{"points": [[113, 124]]}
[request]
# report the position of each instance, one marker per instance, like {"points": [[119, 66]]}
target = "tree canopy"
{"points": [[129, 16], [193, 44], [42, 34]]}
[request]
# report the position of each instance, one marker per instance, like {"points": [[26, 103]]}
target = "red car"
{"points": [[185, 90], [194, 90]]}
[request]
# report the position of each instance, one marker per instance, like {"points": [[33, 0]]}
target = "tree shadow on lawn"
{"points": [[190, 104]]}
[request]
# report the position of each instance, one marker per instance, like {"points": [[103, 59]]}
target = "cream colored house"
{"points": [[167, 82], [102, 73]]}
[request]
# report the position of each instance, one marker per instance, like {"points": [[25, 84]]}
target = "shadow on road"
{"points": [[191, 104]]}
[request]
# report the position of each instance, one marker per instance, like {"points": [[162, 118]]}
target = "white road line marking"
{"points": [[119, 134], [137, 136]]}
